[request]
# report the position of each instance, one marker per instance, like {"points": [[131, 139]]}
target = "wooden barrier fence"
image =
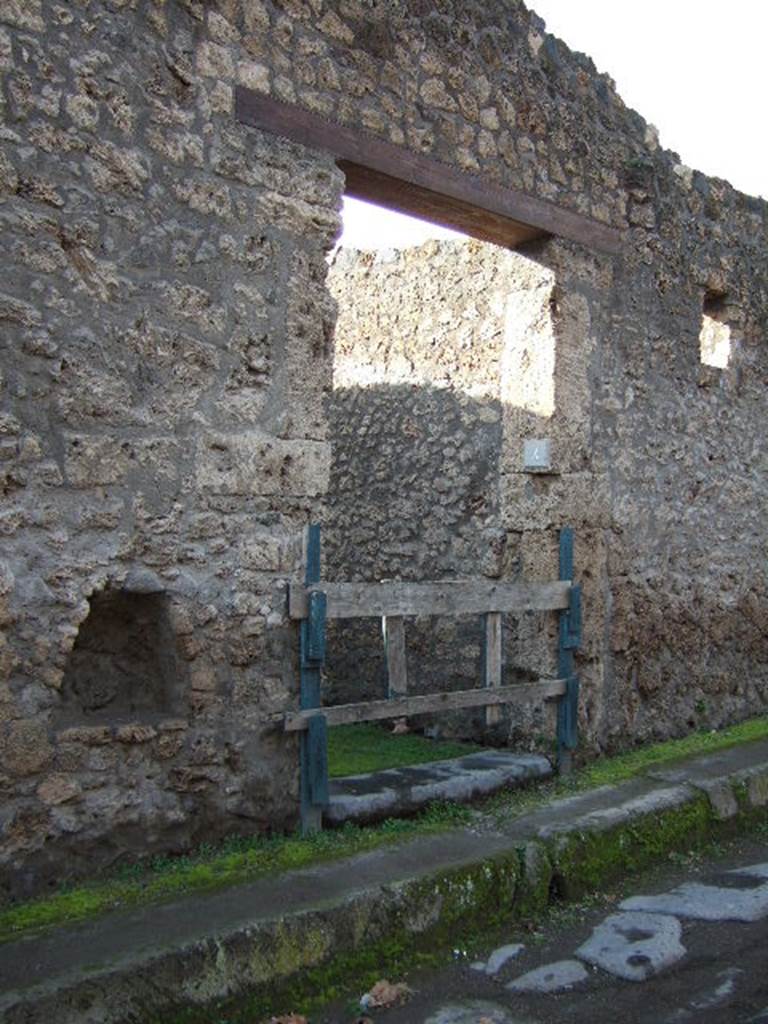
{"points": [[314, 603]]}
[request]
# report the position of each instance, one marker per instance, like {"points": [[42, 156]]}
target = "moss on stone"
{"points": [[429, 920], [585, 860], [422, 924], [536, 880]]}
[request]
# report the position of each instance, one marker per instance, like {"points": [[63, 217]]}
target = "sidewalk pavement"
{"points": [[139, 964]]}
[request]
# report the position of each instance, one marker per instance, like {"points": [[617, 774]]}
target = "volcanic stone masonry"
{"points": [[168, 426]]}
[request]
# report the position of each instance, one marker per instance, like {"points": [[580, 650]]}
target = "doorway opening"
{"points": [[443, 367]]}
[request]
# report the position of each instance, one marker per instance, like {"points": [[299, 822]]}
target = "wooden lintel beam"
{"points": [[378, 710], [448, 211], [420, 183]]}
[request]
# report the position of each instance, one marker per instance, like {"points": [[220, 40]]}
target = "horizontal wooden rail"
{"points": [[454, 597], [377, 710]]}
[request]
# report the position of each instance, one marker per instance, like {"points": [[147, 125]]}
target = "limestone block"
{"points": [[89, 735], [115, 169], [253, 75], [91, 461], [722, 799], [194, 778], [221, 29], [256, 17], [58, 789], [83, 110], [203, 749], [8, 658], [71, 757], [27, 829], [135, 732], [86, 394], [205, 197], [215, 60], [8, 709], [103, 759], [27, 747], [9, 179], [15, 311], [202, 676], [221, 98], [168, 745], [434, 93], [266, 552], [179, 147], [757, 790], [161, 458], [27, 14], [295, 215], [255, 463], [6, 51], [172, 725]]}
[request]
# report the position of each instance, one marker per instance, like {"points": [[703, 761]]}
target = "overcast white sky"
{"points": [[696, 69]]}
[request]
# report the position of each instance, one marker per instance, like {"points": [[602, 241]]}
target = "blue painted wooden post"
{"points": [[569, 640], [314, 740]]}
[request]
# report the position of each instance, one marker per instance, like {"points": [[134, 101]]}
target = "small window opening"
{"points": [[124, 662], [715, 335]]}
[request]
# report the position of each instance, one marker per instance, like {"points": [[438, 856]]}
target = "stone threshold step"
{"points": [[399, 792]]}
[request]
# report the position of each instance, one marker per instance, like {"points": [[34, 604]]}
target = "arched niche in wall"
{"points": [[124, 664]]}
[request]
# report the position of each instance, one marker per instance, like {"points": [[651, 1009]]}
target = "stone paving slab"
{"points": [[752, 871], [556, 977], [501, 956], [473, 1011], [133, 964], [706, 902], [635, 945]]}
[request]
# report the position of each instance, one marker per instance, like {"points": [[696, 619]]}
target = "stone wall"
{"points": [[529, 345], [165, 345], [166, 339]]}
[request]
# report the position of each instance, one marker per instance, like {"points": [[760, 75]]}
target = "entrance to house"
{"points": [[433, 334], [442, 450]]}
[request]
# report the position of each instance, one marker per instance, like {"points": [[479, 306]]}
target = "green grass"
{"points": [[235, 861], [354, 749], [609, 771], [242, 859], [626, 766]]}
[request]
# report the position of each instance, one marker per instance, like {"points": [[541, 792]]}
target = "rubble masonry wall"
{"points": [[166, 350]]}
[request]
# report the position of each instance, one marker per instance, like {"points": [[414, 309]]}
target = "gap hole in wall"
{"points": [[715, 333]]}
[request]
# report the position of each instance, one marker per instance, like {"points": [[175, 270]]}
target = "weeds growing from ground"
{"points": [[356, 749]]}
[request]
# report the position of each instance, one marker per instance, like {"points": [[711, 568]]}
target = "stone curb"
{"points": [[135, 965]]}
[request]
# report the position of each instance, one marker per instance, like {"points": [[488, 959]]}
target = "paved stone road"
{"points": [[681, 950]]}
